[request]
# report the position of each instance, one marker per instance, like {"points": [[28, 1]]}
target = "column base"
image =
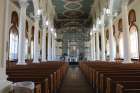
{"points": [[111, 60], [103, 59], [127, 61], [36, 61], [21, 63], [49, 60], [44, 60], [5, 86]]}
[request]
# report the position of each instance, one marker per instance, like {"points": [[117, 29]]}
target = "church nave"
{"points": [[69, 46]]}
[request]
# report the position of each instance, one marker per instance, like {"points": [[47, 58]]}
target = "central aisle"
{"points": [[75, 82]]}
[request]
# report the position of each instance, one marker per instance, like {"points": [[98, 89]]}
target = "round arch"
{"points": [[114, 42], [132, 17], [13, 37], [120, 48], [107, 44], [134, 50], [26, 41], [32, 43]]}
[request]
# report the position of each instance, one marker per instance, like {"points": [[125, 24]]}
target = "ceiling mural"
{"points": [[73, 6], [73, 13], [72, 10], [72, 24]]}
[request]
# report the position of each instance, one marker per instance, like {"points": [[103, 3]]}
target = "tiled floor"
{"points": [[75, 82]]}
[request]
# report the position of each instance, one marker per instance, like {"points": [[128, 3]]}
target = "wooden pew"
{"points": [[111, 82], [128, 87], [102, 82], [96, 73], [52, 72]]}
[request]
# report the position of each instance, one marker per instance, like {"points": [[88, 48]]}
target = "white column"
{"points": [[94, 48], [44, 44], [4, 30], [49, 44], [36, 46], [103, 39], [111, 38], [97, 46], [21, 48], [127, 56]]}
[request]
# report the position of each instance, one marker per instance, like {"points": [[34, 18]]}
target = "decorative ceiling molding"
{"points": [[72, 10], [73, 13], [72, 6], [72, 0], [72, 23]]}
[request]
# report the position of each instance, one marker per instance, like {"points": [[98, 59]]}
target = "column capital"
{"points": [[23, 3], [93, 34], [103, 20], [103, 17], [44, 22], [96, 32], [125, 2]]}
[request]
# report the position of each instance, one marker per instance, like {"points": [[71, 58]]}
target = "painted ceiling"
{"points": [[68, 11]]}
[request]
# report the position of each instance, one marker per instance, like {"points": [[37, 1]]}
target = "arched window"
{"points": [[107, 49], [26, 40], [107, 44], [32, 43], [39, 42], [133, 35], [120, 37], [132, 17], [134, 42], [32, 49], [13, 38], [114, 47], [121, 46], [114, 43]]}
